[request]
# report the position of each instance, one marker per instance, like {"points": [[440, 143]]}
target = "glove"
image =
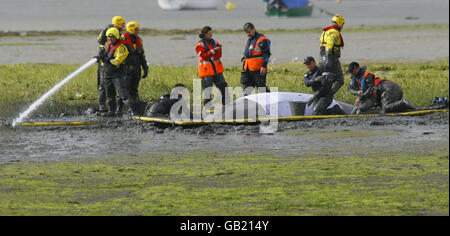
{"points": [[311, 100], [318, 79], [145, 73], [102, 52], [106, 59]]}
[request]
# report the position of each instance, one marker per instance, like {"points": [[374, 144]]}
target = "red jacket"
{"points": [[209, 63], [201, 52]]}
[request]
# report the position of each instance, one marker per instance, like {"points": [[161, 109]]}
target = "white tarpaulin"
{"points": [[279, 104]]}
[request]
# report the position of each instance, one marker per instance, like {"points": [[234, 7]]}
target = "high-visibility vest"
{"points": [[209, 67], [255, 60], [377, 81]]}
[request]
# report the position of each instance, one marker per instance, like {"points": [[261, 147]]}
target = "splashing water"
{"points": [[41, 100]]}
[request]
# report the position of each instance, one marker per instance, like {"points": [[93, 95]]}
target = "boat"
{"points": [[176, 5], [289, 8]]}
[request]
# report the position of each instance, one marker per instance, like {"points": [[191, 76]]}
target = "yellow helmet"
{"points": [[113, 32], [131, 27], [339, 20], [118, 21]]}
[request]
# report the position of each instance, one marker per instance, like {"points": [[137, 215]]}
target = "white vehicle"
{"points": [[176, 5]]}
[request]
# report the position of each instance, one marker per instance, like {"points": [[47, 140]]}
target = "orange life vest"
{"points": [[256, 59], [377, 80], [134, 46], [110, 49], [209, 67]]}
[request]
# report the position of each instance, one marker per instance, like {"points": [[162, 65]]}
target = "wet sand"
{"points": [[127, 138], [178, 50], [120, 138]]}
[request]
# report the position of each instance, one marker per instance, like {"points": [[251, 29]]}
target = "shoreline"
{"points": [[173, 32], [392, 44]]}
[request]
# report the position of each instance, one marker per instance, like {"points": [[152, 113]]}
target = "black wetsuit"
{"points": [[102, 39], [386, 93], [321, 84], [164, 105]]}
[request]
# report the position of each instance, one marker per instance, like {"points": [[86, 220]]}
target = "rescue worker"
{"points": [[115, 71], [256, 57], [119, 23], [357, 87], [136, 59], [163, 106], [321, 83], [331, 42], [210, 68], [373, 91]]}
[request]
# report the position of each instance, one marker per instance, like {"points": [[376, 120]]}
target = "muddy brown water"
{"points": [[126, 138]]}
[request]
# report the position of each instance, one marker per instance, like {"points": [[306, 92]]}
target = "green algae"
{"points": [[213, 183]]}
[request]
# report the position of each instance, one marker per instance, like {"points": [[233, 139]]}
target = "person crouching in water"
{"points": [[164, 105], [210, 68], [321, 83], [373, 91], [115, 71]]}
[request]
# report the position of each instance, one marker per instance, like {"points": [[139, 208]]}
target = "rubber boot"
{"points": [[110, 113], [131, 102], [408, 105], [392, 107], [355, 110], [102, 108], [119, 109], [335, 110]]}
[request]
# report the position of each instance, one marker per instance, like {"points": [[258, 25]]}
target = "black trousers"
{"points": [[336, 69], [392, 97], [321, 105], [134, 78], [251, 79], [221, 84], [100, 88], [119, 83], [364, 105]]}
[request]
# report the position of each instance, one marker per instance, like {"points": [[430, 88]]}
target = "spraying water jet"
{"points": [[53, 90]]}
